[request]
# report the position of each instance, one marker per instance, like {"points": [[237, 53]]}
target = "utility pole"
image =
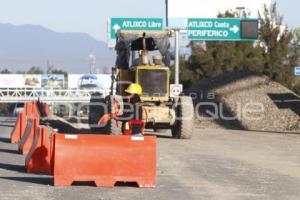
{"points": [[167, 13], [177, 31]]}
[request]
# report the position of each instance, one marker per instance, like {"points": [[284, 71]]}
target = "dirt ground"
{"points": [[215, 164]]}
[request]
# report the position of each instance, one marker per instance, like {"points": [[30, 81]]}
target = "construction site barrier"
{"points": [[43, 109], [20, 124], [28, 135], [34, 109], [30, 110], [19, 128], [38, 159], [28, 107], [104, 159], [46, 110]]}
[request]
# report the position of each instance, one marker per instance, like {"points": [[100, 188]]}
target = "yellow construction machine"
{"points": [[133, 65]]}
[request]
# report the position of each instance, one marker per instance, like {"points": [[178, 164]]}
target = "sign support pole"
{"points": [[167, 13], [176, 56]]}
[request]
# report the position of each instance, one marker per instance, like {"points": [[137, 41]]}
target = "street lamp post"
{"points": [[177, 31], [240, 9], [177, 34]]}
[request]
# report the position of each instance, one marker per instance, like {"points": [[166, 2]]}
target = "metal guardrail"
{"points": [[12, 95]]}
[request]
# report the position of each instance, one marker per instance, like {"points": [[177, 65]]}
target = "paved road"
{"points": [[215, 164]]}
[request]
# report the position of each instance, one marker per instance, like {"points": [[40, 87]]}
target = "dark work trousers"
{"points": [[133, 114]]}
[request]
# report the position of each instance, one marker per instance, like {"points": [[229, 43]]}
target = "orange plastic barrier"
{"points": [[104, 159], [34, 109], [28, 135], [30, 110], [38, 159], [19, 128], [46, 110], [20, 125]]}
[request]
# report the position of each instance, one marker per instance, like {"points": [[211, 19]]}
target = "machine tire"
{"points": [[160, 130], [184, 125], [113, 127]]}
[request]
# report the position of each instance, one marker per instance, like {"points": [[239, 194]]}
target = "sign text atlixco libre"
{"points": [[220, 29], [147, 24]]}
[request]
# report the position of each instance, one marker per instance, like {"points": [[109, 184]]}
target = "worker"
{"points": [[157, 60], [138, 61], [132, 115], [142, 59]]}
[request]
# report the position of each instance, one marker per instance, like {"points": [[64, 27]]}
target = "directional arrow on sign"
{"points": [[235, 29], [116, 27], [222, 29], [134, 24]]}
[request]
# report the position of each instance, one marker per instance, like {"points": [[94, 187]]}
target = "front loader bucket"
{"points": [[104, 159]]}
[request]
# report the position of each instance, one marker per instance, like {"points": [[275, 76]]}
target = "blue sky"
{"points": [[90, 16], [290, 11]]}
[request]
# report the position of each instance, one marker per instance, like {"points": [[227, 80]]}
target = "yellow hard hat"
{"points": [[134, 88]]}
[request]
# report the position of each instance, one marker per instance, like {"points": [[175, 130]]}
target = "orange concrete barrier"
{"points": [[38, 159], [34, 109], [25, 108], [104, 159], [28, 135], [19, 128], [20, 124], [30, 110], [45, 110]]}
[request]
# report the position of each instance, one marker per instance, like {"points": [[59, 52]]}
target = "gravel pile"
{"points": [[253, 102]]}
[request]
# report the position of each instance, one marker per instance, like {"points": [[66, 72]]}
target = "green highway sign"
{"points": [[147, 24], [222, 29]]}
